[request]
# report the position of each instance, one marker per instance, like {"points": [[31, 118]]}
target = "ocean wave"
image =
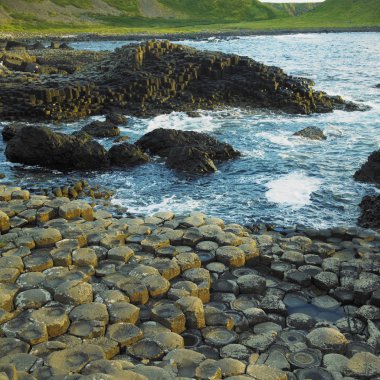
{"points": [[293, 189], [183, 122]]}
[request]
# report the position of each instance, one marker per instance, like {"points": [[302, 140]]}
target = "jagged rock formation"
{"points": [[370, 171], [149, 79], [185, 151]]}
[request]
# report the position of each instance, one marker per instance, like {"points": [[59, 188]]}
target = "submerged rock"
{"points": [[41, 146], [370, 171], [312, 133]]}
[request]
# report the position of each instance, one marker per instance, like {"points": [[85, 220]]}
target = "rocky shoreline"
{"points": [[147, 79], [89, 295]]}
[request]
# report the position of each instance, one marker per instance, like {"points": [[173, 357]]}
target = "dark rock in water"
{"points": [[370, 171], [191, 160], [127, 155], [101, 129], [64, 45], [370, 217], [2, 175], [377, 85], [10, 130], [188, 151], [152, 78], [313, 133], [116, 119], [161, 141], [41, 146]]}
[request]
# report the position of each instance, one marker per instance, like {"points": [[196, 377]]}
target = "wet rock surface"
{"points": [[41, 146], [370, 171], [85, 293], [312, 133], [146, 79], [189, 151], [185, 151]]}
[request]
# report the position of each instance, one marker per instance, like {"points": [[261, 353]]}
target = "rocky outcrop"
{"points": [[187, 151], [312, 133], [149, 79], [370, 171], [41, 146], [370, 208], [101, 129], [117, 119], [126, 154]]}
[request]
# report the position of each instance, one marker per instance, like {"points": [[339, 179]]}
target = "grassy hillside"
{"points": [[330, 14], [295, 9], [160, 16], [228, 10]]}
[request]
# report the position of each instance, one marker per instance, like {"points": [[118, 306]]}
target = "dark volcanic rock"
{"points": [[149, 79], [188, 151], [101, 129], [370, 217], [10, 130], [370, 171], [127, 155], [116, 119], [190, 159], [161, 142], [313, 133], [41, 146]]}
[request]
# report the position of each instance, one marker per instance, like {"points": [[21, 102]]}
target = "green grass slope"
{"points": [[224, 10], [171, 16], [331, 14]]}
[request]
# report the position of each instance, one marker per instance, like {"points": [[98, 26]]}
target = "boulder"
{"points": [[312, 133], [191, 160], [161, 141], [116, 119], [126, 154], [370, 216], [42, 146], [188, 151], [370, 171], [101, 129]]}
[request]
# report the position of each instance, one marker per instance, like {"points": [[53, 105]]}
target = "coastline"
{"points": [[78, 37], [179, 297]]}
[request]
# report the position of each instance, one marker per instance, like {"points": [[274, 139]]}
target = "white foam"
{"points": [[278, 139], [181, 121], [174, 204], [293, 189]]}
